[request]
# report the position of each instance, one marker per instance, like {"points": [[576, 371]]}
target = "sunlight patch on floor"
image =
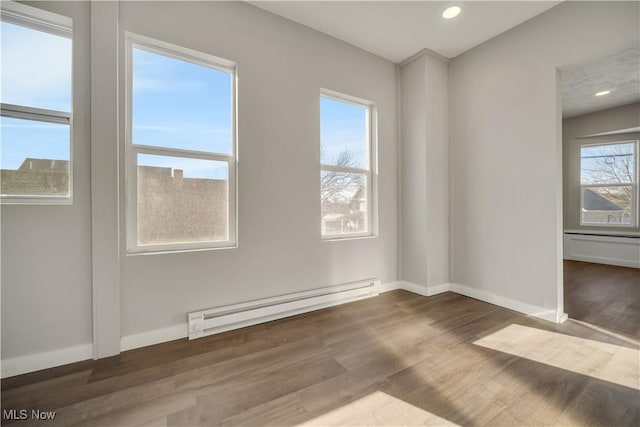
{"points": [[608, 362], [378, 409]]}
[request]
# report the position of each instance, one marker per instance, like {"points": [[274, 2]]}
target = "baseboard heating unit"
{"points": [[221, 319]]}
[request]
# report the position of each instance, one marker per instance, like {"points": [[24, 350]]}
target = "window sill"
{"points": [[44, 201], [605, 226], [341, 239], [177, 250], [593, 231]]}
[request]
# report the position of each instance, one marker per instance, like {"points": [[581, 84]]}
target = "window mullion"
{"points": [[607, 185], [177, 152], [36, 114], [344, 169]]}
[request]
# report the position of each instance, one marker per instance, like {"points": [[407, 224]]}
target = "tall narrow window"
{"points": [[346, 156], [35, 154], [609, 184], [181, 148]]}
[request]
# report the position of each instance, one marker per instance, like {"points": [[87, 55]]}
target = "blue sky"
{"points": [[342, 126], [24, 138], [176, 104], [36, 68]]}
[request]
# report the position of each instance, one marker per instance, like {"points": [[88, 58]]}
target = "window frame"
{"points": [[59, 25], [180, 53], [634, 186], [371, 161]]}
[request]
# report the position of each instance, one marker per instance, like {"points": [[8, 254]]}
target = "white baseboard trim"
{"points": [[604, 260], [561, 317], [155, 336], [49, 359], [531, 310], [389, 286], [479, 294], [400, 284], [438, 289], [425, 291], [413, 287]]}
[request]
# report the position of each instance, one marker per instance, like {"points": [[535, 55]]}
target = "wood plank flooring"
{"points": [[603, 295], [397, 359]]}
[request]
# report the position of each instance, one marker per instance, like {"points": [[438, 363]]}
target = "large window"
{"points": [[346, 154], [609, 184], [35, 153], [181, 148]]}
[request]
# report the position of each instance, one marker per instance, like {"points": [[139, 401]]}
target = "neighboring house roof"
{"points": [[595, 202], [44, 165]]}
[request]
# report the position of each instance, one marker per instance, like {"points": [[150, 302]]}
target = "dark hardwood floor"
{"points": [[603, 295], [397, 359]]}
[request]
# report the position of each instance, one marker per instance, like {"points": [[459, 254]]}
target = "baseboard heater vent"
{"points": [[221, 319]]}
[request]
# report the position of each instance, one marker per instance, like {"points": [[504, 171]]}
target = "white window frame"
{"points": [[59, 25], [633, 185], [371, 162], [131, 150]]}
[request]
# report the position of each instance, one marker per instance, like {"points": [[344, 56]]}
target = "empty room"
{"points": [[320, 213]]}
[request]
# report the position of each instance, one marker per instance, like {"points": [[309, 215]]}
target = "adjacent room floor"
{"points": [[397, 359], [606, 296]]}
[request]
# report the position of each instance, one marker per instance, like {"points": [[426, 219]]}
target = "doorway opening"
{"points": [[601, 219]]}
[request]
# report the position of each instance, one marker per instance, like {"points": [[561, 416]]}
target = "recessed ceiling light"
{"points": [[451, 12], [604, 92]]}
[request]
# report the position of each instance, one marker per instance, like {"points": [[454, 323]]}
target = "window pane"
{"points": [[36, 68], [607, 205], [182, 200], [343, 134], [34, 157], [607, 164], [344, 202], [178, 104]]}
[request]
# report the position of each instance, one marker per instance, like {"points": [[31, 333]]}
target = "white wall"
{"points": [[46, 250], [281, 68], [573, 129], [424, 171], [506, 147]]}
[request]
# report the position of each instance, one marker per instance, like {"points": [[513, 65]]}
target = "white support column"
{"points": [[104, 179], [425, 171]]}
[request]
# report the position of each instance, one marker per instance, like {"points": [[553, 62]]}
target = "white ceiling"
{"points": [[618, 72], [398, 29]]}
